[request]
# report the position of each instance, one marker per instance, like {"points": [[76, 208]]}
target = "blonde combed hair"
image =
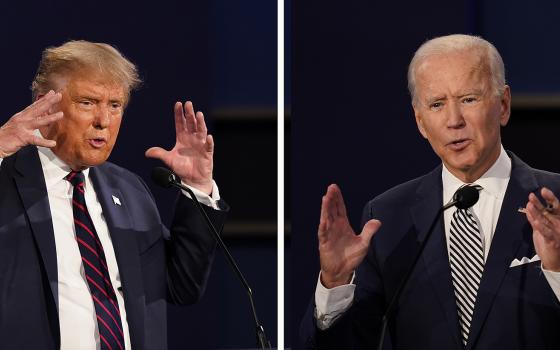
{"points": [[84, 56]]}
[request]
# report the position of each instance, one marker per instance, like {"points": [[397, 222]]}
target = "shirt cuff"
{"points": [[203, 198], [553, 279], [330, 304]]}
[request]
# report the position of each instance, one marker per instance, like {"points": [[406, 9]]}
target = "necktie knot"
{"points": [[76, 178]]}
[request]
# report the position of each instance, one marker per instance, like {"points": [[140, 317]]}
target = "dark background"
{"points": [[222, 56], [352, 121]]}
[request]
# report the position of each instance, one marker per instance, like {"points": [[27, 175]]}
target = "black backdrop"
{"points": [[220, 55]]}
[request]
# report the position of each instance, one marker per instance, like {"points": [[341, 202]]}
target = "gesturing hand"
{"points": [[192, 156], [19, 130], [546, 228], [340, 249]]}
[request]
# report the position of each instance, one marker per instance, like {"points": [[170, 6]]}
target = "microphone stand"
{"points": [[262, 341], [397, 294]]}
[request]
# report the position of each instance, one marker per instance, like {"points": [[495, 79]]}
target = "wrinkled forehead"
{"points": [[88, 78], [455, 70]]}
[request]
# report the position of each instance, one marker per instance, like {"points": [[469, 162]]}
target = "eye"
{"points": [[469, 100], [86, 104], [435, 106]]}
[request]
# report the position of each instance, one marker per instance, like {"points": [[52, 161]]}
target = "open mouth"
{"points": [[97, 142], [459, 145]]}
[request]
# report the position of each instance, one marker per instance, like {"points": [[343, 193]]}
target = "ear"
{"points": [[419, 120], [505, 106]]}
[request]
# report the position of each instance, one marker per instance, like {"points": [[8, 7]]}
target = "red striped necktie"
{"points": [[96, 271]]}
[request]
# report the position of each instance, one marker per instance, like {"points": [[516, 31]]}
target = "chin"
{"points": [[464, 160], [94, 161]]}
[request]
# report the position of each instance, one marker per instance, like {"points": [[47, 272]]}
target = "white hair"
{"points": [[454, 43]]}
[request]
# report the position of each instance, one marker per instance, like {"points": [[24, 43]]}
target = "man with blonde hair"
{"points": [[489, 275], [85, 261]]}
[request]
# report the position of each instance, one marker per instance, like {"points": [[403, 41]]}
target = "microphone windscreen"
{"points": [[163, 177], [466, 197]]}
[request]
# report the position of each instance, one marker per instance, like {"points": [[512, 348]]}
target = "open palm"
{"points": [[340, 249], [192, 156]]}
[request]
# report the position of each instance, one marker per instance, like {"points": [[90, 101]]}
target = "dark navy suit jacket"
{"points": [[155, 265], [515, 307]]}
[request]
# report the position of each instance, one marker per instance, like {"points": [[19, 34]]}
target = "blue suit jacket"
{"points": [[515, 306], [155, 266]]}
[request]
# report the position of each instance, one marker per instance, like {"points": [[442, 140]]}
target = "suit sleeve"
{"points": [[190, 250], [359, 327]]}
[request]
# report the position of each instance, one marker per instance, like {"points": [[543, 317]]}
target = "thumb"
{"points": [[156, 152], [370, 228]]}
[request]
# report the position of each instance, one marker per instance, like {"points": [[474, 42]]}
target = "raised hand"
{"points": [[340, 249], [19, 130], [192, 156], [545, 222]]}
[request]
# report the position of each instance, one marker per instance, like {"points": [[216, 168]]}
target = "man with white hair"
{"points": [[489, 276]]}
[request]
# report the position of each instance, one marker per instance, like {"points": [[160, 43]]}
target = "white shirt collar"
{"points": [[54, 169], [494, 181]]}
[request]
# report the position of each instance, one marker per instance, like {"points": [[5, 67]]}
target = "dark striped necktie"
{"points": [[96, 272], [466, 257]]}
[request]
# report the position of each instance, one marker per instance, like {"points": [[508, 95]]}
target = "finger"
{"points": [[323, 221], [179, 120], [209, 144], [550, 198], [534, 211], [538, 222], [46, 120], [42, 105], [533, 199], [339, 201], [201, 125], [330, 202], [157, 152], [190, 117], [41, 99], [370, 228], [39, 141]]}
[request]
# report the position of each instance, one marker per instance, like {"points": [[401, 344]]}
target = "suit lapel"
{"points": [[435, 257], [30, 183], [510, 229], [126, 249]]}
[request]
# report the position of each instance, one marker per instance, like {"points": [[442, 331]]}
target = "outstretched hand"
{"points": [[340, 249], [545, 222], [19, 130], [192, 156]]}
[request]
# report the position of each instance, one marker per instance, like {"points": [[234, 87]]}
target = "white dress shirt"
{"points": [[332, 303], [78, 323]]}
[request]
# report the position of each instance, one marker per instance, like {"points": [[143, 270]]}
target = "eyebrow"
{"points": [[431, 100], [94, 97], [472, 92]]}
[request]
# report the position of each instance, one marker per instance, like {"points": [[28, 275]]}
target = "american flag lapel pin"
{"points": [[116, 200]]}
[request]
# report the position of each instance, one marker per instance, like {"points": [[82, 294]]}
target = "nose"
{"points": [[455, 118], [102, 117]]}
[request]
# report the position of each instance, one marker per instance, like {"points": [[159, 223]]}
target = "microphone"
{"points": [[465, 197], [165, 178]]}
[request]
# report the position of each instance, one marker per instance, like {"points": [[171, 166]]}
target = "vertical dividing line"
{"points": [[280, 155]]}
